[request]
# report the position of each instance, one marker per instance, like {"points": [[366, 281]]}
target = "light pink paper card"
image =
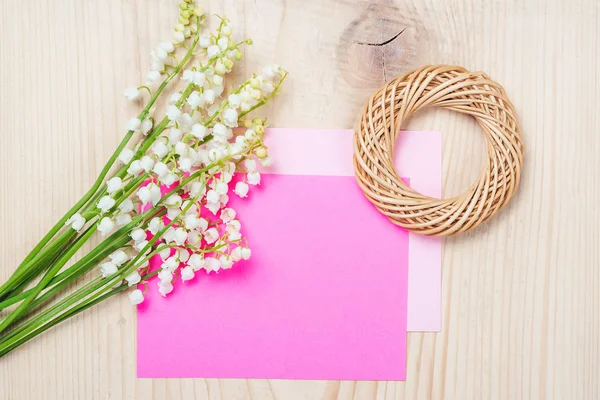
{"points": [[418, 157], [323, 296]]}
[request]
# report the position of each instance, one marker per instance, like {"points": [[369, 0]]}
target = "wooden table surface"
{"points": [[521, 295]]}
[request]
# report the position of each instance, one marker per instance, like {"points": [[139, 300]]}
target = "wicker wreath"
{"points": [[457, 89]]}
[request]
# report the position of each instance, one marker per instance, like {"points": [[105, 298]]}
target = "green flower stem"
{"points": [[134, 184], [47, 278], [45, 254], [267, 98], [126, 229], [24, 332], [36, 252], [102, 285], [70, 274], [76, 310]]}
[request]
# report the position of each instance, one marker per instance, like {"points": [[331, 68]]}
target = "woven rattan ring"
{"points": [[456, 89]]}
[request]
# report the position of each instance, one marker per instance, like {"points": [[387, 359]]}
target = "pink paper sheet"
{"points": [[419, 157], [319, 299], [176, 340]]}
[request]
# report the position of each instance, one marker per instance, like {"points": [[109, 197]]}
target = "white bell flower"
{"points": [[233, 226], [230, 117], [126, 206], [195, 99], [185, 164], [178, 37], [250, 165], [76, 221], [236, 254], [126, 155], [234, 236], [153, 76], [246, 253], [172, 213], [199, 131], [253, 178], [165, 278], [174, 200], [223, 43], [147, 163], [220, 130], [250, 134], [168, 179], [226, 176], [139, 246], [187, 273], [118, 257], [134, 124], [226, 262], [234, 100], [213, 51], [173, 113], [209, 96], [132, 93], [146, 126], [123, 219], [138, 235], [155, 194], [213, 207], [215, 154], [180, 236], [212, 196], [169, 235], [183, 255], [160, 149], [170, 265], [241, 189], [136, 297], [194, 239], [135, 167], [160, 169], [165, 289], [191, 221], [212, 264], [197, 262], [181, 149], [114, 185], [174, 136], [144, 195], [202, 224], [221, 188], [220, 68], [167, 46], [106, 226], [165, 253], [106, 203], [217, 80], [227, 215], [204, 41], [199, 78], [155, 225], [157, 65], [211, 235], [133, 278], [108, 269]]}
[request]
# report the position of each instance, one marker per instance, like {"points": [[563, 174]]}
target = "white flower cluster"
{"points": [[171, 195]]}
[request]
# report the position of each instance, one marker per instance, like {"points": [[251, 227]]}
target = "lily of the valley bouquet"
{"points": [[163, 193]]}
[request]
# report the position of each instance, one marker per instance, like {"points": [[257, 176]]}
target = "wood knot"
{"points": [[383, 42]]}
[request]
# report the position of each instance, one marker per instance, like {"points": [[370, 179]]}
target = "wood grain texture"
{"points": [[521, 294]]}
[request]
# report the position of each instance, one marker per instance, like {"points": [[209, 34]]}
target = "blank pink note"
{"points": [[323, 296]]}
